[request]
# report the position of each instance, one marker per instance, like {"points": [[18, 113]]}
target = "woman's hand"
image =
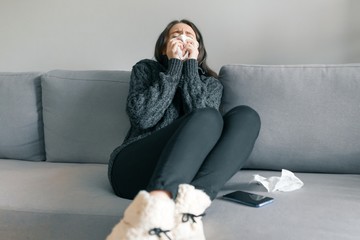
{"points": [[172, 48], [192, 47]]}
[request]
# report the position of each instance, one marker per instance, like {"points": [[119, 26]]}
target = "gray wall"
{"points": [[40, 35], [353, 41]]}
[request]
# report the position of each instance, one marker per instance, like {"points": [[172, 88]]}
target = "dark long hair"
{"points": [[161, 45]]}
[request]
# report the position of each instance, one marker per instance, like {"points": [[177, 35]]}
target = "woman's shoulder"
{"points": [[146, 70], [147, 64]]}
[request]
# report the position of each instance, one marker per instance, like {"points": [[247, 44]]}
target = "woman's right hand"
{"points": [[172, 48]]}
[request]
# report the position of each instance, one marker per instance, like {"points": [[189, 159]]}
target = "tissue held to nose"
{"points": [[182, 56]]}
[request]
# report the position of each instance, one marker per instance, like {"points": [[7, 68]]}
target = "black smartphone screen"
{"points": [[250, 199]]}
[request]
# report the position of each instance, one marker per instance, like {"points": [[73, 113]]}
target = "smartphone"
{"points": [[249, 199]]}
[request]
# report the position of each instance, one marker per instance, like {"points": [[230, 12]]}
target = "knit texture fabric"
{"points": [[159, 94]]}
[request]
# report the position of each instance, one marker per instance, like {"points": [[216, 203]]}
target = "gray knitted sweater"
{"points": [[160, 94]]}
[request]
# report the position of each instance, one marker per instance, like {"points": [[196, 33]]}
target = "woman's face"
{"points": [[182, 45], [181, 29]]}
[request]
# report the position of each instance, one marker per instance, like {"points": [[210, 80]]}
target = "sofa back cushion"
{"points": [[84, 114], [310, 114], [21, 131]]}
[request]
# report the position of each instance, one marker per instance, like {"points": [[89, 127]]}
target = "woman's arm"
{"points": [[151, 91], [199, 91]]}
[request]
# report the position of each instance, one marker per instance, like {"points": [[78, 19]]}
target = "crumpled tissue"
{"points": [[285, 183], [183, 38]]}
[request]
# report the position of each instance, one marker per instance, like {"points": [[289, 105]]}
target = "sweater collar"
{"points": [[165, 62]]}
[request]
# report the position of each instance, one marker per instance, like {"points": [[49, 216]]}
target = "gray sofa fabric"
{"points": [[309, 114], [21, 131], [74, 201], [83, 109], [309, 125], [25, 225], [58, 188]]}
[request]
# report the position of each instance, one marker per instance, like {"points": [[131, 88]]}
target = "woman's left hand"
{"points": [[192, 47]]}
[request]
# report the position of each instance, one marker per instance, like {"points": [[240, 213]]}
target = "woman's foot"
{"points": [[148, 217], [190, 205]]}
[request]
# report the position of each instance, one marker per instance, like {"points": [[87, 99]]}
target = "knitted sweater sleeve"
{"points": [[199, 91], [151, 92]]}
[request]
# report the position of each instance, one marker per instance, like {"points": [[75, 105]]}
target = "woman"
{"points": [[179, 146]]}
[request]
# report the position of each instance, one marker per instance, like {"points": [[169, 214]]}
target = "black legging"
{"points": [[201, 148]]}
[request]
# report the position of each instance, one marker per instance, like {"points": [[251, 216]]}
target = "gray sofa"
{"points": [[57, 130]]}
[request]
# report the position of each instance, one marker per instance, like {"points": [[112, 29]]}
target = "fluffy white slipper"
{"points": [[190, 205], [146, 218]]}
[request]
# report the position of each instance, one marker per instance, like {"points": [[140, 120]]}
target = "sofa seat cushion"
{"points": [[58, 188], [309, 114], [21, 131], [41, 194], [21, 225], [326, 207]]}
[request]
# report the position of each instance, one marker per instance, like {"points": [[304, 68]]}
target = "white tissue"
{"points": [[286, 183], [183, 38]]}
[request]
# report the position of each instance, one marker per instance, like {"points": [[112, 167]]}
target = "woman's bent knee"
{"points": [[245, 114]]}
